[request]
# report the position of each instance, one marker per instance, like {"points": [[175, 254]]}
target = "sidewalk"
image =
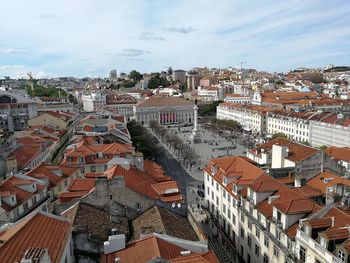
{"points": [[198, 175]]}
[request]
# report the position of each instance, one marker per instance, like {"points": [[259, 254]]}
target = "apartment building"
{"points": [[341, 155], [324, 237], [237, 98], [92, 157], [251, 117], [293, 124], [210, 93], [21, 194], [333, 130], [258, 213], [93, 101], [284, 153]]}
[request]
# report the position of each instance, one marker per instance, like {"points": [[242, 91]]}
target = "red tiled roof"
{"points": [[135, 252], [296, 152], [297, 206], [237, 169], [39, 229], [208, 257], [11, 185], [339, 153], [164, 101], [327, 179], [82, 184]]}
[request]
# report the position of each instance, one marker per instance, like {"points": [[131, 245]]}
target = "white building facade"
{"points": [[93, 101], [165, 110]]}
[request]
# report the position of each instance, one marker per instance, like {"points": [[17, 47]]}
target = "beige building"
{"points": [[60, 120], [165, 110]]}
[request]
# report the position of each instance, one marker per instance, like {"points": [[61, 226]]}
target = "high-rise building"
{"points": [[113, 74], [180, 76]]}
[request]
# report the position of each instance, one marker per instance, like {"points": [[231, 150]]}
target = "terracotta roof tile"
{"points": [[163, 101], [38, 229], [327, 179], [339, 153]]}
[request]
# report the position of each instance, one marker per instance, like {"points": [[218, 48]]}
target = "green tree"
{"points": [[279, 135], [157, 81], [135, 75]]}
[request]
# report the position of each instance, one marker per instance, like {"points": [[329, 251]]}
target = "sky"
{"points": [[90, 37]]}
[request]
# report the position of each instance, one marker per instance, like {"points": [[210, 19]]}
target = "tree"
{"points": [[279, 135], [170, 71], [135, 75], [157, 81]]}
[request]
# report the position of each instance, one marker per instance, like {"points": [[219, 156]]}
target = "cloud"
{"points": [[47, 16], [180, 29], [150, 36], [131, 52], [13, 51]]}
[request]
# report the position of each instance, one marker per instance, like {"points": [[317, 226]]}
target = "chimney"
{"points": [[138, 161]]}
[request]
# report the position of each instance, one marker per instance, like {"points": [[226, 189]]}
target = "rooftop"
{"points": [[39, 229]]}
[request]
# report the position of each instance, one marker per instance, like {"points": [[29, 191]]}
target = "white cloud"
{"points": [[132, 52], [150, 36], [13, 51], [180, 29]]}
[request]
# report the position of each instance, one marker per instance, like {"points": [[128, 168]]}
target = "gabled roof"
{"points": [[156, 248], [11, 185], [327, 179], [163, 221], [237, 169], [339, 153], [297, 152], [39, 229], [297, 206]]}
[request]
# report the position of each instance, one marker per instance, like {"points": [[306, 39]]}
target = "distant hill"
{"points": [[338, 69]]}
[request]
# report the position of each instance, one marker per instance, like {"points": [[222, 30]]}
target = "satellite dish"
{"points": [[173, 205], [178, 205]]}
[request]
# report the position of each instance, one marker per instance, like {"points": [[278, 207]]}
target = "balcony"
{"points": [[317, 248]]}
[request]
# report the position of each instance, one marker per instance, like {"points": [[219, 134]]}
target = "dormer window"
{"points": [[279, 216], [341, 255]]}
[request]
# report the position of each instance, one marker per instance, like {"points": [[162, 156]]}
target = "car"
{"points": [[200, 193]]}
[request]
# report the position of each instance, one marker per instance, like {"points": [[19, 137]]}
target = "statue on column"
{"points": [[195, 136]]}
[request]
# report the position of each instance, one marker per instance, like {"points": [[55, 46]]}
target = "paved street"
{"points": [[188, 185], [213, 146]]}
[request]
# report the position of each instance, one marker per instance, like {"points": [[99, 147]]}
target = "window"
{"points": [[233, 219], [138, 207], [217, 201], [249, 224], [93, 168], [242, 233], [259, 217], [212, 182], [212, 195], [279, 216], [81, 159], [229, 199], [275, 251], [217, 187], [266, 241], [257, 250], [341, 255], [224, 208], [110, 197], [229, 213], [302, 254], [249, 242], [257, 232], [208, 191], [242, 217], [266, 258], [82, 170], [208, 177]]}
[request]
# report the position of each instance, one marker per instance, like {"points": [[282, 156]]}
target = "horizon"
{"points": [[88, 39]]}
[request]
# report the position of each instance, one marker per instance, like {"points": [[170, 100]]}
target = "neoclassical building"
{"points": [[165, 110]]}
